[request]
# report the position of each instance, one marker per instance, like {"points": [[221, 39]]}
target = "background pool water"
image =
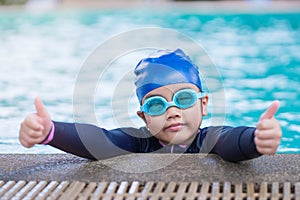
{"points": [[41, 54]]}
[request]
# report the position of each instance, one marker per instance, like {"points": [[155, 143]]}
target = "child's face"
{"points": [[176, 126]]}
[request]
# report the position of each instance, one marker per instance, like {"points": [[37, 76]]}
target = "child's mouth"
{"points": [[174, 127]]}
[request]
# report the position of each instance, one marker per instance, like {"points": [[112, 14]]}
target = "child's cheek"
{"points": [[155, 124], [193, 115]]}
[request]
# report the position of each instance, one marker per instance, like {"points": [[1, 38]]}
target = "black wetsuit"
{"points": [[89, 141]]}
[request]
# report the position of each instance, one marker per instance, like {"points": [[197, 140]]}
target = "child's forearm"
{"points": [[232, 144], [90, 141]]}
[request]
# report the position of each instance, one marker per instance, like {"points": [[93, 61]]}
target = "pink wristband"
{"points": [[50, 136]]}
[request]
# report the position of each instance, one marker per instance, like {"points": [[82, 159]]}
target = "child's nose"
{"points": [[173, 112]]}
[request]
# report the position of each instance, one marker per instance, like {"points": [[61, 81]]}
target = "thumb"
{"points": [[270, 112], [40, 108]]}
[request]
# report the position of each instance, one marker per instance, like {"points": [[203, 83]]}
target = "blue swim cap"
{"points": [[162, 68]]}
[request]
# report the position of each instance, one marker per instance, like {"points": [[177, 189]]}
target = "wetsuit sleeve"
{"points": [[232, 144], [92, 142]]}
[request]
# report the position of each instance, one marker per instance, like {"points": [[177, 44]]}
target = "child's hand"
{"points": [[268, 131], [35, 127]]}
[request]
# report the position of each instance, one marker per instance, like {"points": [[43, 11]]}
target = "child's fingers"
{"points": [[266, 124], [268, 134], [31, 131], [34, 128], [40, 108], [28, 141], [266, 151], [264, 135], [25, 143], [25, 130], [34, 134], [266, 146], [268, 143], [43, 115], [270, 112], [33, 122]]}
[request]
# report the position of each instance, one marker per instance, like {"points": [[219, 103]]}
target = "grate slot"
{"points": [[241, 191], [192, 191], [47, 190], [158, 189], [250, 191], [227, 192], [122, 190], [13, 190], [204, 191], [297, 191], [275, 191], [24, 190], [59, 190], [134, 189], [111, 188], [1, 183], [147, 189], [215, 191], [101, 187], [6, 187], [87, 191], [72, 191], [263, 193], [169, 191], [150, 190], [35, 191], [287, 191], [181, 190], [110, 191]]}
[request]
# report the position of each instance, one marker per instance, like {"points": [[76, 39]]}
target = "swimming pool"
{"points": [[258, 56]]}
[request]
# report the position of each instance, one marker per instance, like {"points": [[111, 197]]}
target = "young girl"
{"points": [[169, 90]]}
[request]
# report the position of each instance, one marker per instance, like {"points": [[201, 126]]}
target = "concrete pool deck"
{"points": [[148, 176], [149, 167]]}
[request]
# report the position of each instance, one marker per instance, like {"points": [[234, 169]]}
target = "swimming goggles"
{"points": [[182, 99]]}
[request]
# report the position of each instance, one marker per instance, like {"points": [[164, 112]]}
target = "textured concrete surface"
{"points": [[149, 167]]}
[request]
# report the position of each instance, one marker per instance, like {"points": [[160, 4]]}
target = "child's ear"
{"points": [[204, 103], [142, 116]]}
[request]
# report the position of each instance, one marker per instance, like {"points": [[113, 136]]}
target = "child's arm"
{"points": [[92, 142], [79, 139], [242, 143], [232, 144]]}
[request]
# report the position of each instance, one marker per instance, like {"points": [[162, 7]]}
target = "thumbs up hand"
{"points": [[268, 131], [35, 127]]}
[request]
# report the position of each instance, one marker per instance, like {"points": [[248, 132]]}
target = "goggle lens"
{"points": [[182, 99], [185, 99], [156, 106]]}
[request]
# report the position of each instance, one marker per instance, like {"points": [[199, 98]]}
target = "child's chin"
{"points": [[178, 141]]}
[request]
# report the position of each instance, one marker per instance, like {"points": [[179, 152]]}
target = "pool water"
{"points": [[41, 54]]}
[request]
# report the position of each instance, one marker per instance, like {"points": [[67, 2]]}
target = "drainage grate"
{"points": [[149, 190]]}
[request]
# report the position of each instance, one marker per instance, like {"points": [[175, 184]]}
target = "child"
{"points": [[169, 90]]}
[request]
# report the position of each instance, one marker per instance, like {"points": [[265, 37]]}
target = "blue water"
{"points": [[41, 54]]}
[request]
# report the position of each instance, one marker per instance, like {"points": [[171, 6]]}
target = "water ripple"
{"points": [[41, 54]]}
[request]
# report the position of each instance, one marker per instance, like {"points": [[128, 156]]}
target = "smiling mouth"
{"points": [[174, 127]]}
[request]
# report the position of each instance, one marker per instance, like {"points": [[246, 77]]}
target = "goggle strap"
{"points": [[200, 95]]}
